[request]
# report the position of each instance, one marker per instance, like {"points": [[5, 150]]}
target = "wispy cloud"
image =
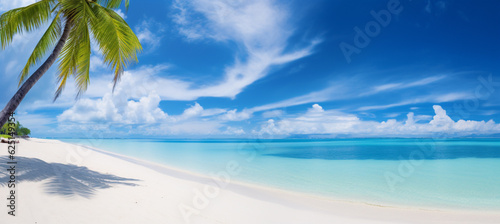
{"points": [[150, 34], [262, 29], [434, 98], [403, 85], [327, 94], [273, 113], [347, 89]]}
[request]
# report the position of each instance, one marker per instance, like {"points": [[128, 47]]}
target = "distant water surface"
{"points": [[426, 173]]}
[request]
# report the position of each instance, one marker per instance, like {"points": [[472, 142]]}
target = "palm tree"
{"points": [[74, 23]]}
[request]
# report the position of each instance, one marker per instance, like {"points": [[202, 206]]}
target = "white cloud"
{"points": [[141, 117], [193, 111], [197, 111], [150, 34], [191, 128], [132, 101], [257, 24], [396, 86], [260, 27], [315, 121], [422, 118], [232, 131], [319, 121], [385, 87], [115, 109], [273, 113], [327, 94], [347, 89], [96, 63], [234, 115], [170, 88], [392, 115], [434, 98], [137, 107]]}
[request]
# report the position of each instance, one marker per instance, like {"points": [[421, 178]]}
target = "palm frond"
{"points": [[76, 9], [67, 60], [75, 56], [83, 62], [23, 19], [116, 39], [113, 4], [48, 40]]}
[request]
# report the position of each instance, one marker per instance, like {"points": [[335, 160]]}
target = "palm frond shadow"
{"points": [[64, 179]]}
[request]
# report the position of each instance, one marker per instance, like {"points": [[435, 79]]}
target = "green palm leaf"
{"points": [[23, 19], [113, 4], [117, 41], [75, 56], [47, 41]]}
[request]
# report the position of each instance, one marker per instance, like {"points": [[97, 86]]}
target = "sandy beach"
{"points": [[58, 182]]}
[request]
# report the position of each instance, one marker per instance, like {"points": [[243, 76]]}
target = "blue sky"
{"points": [[274, 69]]}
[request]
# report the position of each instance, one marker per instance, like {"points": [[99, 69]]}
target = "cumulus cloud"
{"points": [[234, 115], [315, 121], [197, 111], [319, 121], [144, 117], [114, 109], [137, 108]]}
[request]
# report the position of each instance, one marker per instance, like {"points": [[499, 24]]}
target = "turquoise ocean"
{"points": [[422, 173]]}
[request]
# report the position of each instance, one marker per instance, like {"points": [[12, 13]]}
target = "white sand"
{"points": [[70, 184]]}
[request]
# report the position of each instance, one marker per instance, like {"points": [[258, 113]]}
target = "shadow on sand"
{"points": [[64, 179]]}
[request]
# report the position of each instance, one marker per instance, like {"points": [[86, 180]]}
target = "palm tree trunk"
{"points": [[25, 88]]}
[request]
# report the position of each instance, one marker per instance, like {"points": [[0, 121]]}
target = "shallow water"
{"points": [[427, 173]]}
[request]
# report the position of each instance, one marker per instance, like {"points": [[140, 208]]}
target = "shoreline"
{"points": [[278, 139], [236, 194], [159, 167]]}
